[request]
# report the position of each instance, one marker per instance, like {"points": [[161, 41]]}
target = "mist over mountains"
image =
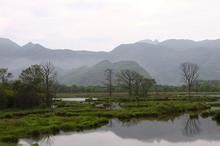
{"points": [[95, 75], [160, 59]]}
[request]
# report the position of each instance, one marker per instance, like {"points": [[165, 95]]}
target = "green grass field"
{"points": [[150, 94], [74, 116]]}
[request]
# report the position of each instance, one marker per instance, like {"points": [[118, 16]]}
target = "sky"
{"points": [[101, 25]]}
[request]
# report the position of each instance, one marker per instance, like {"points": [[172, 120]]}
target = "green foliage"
{"points": [[4, 75], [21, 100], [33, 88], [215, 114], [27, 96], [32, 75], [6, 97], [16, 123], [208, 86], [199, 86]]}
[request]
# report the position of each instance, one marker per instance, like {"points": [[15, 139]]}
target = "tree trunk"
{"points": [[189, 90], [110, 88], [129, 86], [47, 92]]}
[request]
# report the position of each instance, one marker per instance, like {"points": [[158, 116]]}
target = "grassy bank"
{"points": [[70, 116], [150, 94]]}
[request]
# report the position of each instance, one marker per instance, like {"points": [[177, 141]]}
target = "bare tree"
{"points": [[190, 74], [126, 79], [137, 83], [49, 75], [4, 75], [146, 84], [109, 81]]}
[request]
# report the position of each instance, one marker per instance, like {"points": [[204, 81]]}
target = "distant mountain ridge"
{"points": [[160, 59], [94, 75]]}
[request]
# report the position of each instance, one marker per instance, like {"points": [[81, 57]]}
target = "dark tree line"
{"points": [[34, 87]]}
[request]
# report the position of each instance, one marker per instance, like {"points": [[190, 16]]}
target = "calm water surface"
{"points": [[76, 99], [182, 131]]}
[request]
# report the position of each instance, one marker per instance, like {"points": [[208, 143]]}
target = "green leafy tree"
{"points": [[32, 75], [30, 87], [4, 75], [6, 93]]}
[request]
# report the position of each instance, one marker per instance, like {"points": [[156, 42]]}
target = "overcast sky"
{"points": [[104, 24]]}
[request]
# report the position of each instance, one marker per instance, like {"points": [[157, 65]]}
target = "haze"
{"points": [[100, 25]]}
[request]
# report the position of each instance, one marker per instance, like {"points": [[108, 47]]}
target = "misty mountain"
{"points": [[17, 58], [183, 44], [163, 60], [94, 75], [160, 59], [149, 41], [7, 47]]}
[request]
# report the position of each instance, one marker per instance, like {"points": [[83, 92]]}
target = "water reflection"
{"points": [[48, 141], [77, 99], [182, 128], [183, 131], [130, 123], [192, 126]]}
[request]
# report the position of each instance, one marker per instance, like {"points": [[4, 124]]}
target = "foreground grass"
{"points": [[15, 124]]}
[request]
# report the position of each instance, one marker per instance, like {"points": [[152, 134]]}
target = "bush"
{"points": [[6, 98], [3, 102], [27, 97]]}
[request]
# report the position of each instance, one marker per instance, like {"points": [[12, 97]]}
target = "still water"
{"points": [[76, 99], [182, 131]]}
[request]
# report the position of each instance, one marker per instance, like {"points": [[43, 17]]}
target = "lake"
{"points": [[76, 99], [181, 131]]}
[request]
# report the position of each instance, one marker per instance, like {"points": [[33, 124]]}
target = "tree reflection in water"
{"points": [[126, 123], [48, 140], [131, 122], [192, 126], [110, 124]]}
